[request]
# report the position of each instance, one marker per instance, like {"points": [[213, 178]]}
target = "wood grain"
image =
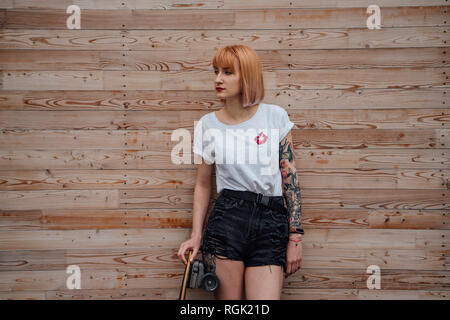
{"points": [[159, 140], [167, 40], [206, 100], [164, 258], [147, 238], [205, 5], [411, 16], [25, 59], [130, 278]]}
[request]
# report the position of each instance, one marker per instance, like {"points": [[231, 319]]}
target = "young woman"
{"points": [[250, 237]]}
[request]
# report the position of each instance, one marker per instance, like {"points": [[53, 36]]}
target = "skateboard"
{"points": [[185, 278]]}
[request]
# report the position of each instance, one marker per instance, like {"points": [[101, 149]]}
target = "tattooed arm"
{"points": [[290, 184]]}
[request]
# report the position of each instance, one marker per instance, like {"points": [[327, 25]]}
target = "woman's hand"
{"points": [[191, 244], [293, 254]]}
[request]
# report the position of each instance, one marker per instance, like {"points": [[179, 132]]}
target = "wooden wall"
{"points": [[86, 118]]}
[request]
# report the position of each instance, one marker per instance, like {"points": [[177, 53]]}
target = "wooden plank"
{"points": [[65, 39], [369, 138], [334, 278], [276, 79], [89, 139], [357, 279], [379, 199], [116, 120], [134, 159], [50, 60], [147, 238], [225, 19], [99, 179], [360, 294], [73, 219], [303, 119], [204, 5], [126, 294], [56, 280], [203, 80], [69, 80], [28, 200], [198, 294], [134, 100], [342, 78], [370, 158], [20, 59], [93, 238], [373, 179], [164, 258], [409, 219], [206, 101], [144, 278], [23, 295], [159, 140], [167, 40], [182, 198], [358, 58], [13, 159]]}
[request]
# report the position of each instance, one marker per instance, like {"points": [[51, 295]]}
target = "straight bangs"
{"points": [[224, 58], [250, 69]]}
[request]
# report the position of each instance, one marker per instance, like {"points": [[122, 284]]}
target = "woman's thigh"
{"points": [[263, 282], [231, 279]]}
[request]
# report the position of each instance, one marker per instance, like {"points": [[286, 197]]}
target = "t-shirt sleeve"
{"points": [[285, 124], [200, 143]]}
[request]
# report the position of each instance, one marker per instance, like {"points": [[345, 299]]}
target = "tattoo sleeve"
{"points": [[290, 184]]}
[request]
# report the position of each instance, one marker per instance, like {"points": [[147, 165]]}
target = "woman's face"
{"points": [[228, 80]]}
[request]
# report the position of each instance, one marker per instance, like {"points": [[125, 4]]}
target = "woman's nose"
{"points": [[219, 77]]}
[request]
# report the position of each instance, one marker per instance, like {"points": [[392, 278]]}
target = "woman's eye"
{"points": [[227, 72]]}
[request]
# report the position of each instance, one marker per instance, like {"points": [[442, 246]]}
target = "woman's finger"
{"points": [[183, 255], [289, 269], [179, 252], [295, 268], [194, 254], [292, 267]]}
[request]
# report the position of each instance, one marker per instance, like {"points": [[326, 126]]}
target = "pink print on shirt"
{"points": [[261, 138]]}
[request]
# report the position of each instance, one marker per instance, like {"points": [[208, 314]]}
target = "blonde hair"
{"points": [[250, 69]]}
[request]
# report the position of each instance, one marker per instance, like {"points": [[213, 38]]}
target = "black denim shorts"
{"points": [[242, 230]]}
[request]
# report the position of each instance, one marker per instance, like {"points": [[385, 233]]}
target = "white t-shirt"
{"points": [[246, 155]]}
